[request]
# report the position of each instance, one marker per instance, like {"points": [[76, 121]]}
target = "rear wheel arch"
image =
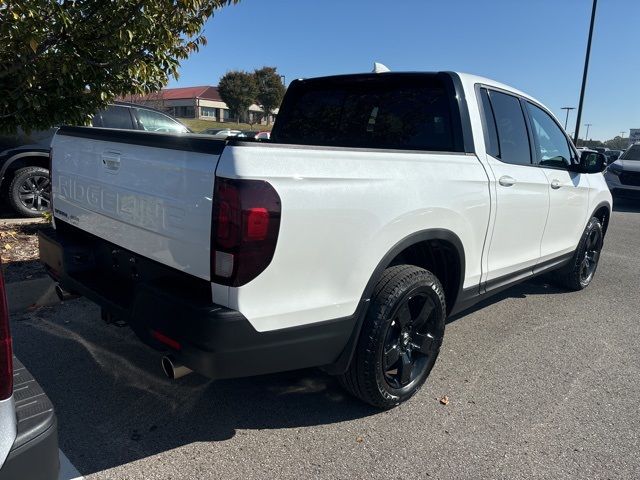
{"points": [[603, 213], [19, 161], [415, 249]]}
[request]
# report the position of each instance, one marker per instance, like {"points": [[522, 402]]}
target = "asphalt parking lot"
{"points": [[541, 384]]}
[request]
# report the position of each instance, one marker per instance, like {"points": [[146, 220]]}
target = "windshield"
{"points": [[633, 153]]}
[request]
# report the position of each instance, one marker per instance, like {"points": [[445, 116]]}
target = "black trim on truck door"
{"points": [[465, 119], [183, 142]]}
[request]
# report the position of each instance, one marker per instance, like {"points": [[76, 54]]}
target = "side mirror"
{"points": [[592, 162]]}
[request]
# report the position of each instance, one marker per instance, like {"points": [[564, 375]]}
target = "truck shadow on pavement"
{"points": [[114, 406]]}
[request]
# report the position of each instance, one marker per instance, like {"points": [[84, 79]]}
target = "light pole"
{"points": [[586, 137], [622, 133], [586, 69], [568, 109]]}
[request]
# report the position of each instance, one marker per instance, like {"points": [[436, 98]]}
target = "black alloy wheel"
{"points": [[580, 271], [30, 191], [400, 337], [410, 344], [591, 256]]}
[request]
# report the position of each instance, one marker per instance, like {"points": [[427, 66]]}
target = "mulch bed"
{"points": [[19, 251]]}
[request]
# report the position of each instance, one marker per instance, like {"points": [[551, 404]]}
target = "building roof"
{"points": [[206, 92]]}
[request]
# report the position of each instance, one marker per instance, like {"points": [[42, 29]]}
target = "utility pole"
{"points": [[586, 137], [622, 133], [568, 109], [586, 69]]}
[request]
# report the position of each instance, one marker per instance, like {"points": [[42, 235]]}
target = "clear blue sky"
{"points": [[537, 46]]}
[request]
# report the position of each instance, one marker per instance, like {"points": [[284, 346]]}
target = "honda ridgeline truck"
{"points": [[381, 204]]}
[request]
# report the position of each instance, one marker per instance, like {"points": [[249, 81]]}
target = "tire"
{"points": [[582, 268], [30, 191], [400, 337]]}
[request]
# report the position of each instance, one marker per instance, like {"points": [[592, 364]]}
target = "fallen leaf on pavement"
{"points": [[444, 400], [359, 439]]}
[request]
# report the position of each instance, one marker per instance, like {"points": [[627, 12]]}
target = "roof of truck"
{"points": [[473, 79]]}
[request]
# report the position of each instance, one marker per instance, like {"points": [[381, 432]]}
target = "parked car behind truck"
{"points": [[382, 204], [24, 157]]}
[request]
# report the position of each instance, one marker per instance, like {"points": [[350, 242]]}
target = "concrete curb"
{"points": [[39, 292], [20, 221]]}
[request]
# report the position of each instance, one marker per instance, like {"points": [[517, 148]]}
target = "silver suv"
{"points": [[623, 175]]}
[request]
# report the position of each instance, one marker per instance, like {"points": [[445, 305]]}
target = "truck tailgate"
{"points": [[148, 192]]}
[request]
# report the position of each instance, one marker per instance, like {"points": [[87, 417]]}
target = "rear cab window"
{"points": [[379, 111]]}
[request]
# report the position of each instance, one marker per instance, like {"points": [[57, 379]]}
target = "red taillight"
{"points": [[6, 358], [246, 221], [257, 224]]}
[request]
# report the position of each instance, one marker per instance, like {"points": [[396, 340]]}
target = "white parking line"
{"points": [[67, 470]]}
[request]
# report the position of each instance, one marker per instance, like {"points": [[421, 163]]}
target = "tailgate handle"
{"points": [[111, 161]]}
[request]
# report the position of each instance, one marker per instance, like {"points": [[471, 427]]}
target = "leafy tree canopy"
{"points": [[239, 91], [617, 143], [270, 89], [62, 60]]}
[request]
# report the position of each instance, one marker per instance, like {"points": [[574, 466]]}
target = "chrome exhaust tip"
{"points": [[172, 369], [63, 295]]}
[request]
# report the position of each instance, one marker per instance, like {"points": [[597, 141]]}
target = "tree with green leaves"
{"points": [[239, 91], [62, 60], [270, 89], [617, 143]]}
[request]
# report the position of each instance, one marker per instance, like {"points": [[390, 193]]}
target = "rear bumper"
{"points": [[34, 454], [210, 339]]}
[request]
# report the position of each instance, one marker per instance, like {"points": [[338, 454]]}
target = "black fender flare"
{"points": [[343, 361], [593, 213], [17, 156]]}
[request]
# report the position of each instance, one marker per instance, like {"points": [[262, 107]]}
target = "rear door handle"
{"points": [[507, 181], [555, 184]]}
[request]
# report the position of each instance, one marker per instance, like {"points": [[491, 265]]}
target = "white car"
{"points": [[383, 203]]}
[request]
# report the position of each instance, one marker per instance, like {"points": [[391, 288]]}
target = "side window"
{"points": [[116, 117], [552, 148], [157, 122], [512, 129], [489, 125]]}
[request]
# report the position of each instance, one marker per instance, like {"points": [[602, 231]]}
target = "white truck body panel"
{"points": [[342, 211], [153, 201]]}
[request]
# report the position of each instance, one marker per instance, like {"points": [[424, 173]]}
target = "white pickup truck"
{"points": [[381, 204]]}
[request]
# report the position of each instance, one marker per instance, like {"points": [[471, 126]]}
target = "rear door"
{"points": [[521, 189], [568, 191], [150, 193]]}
